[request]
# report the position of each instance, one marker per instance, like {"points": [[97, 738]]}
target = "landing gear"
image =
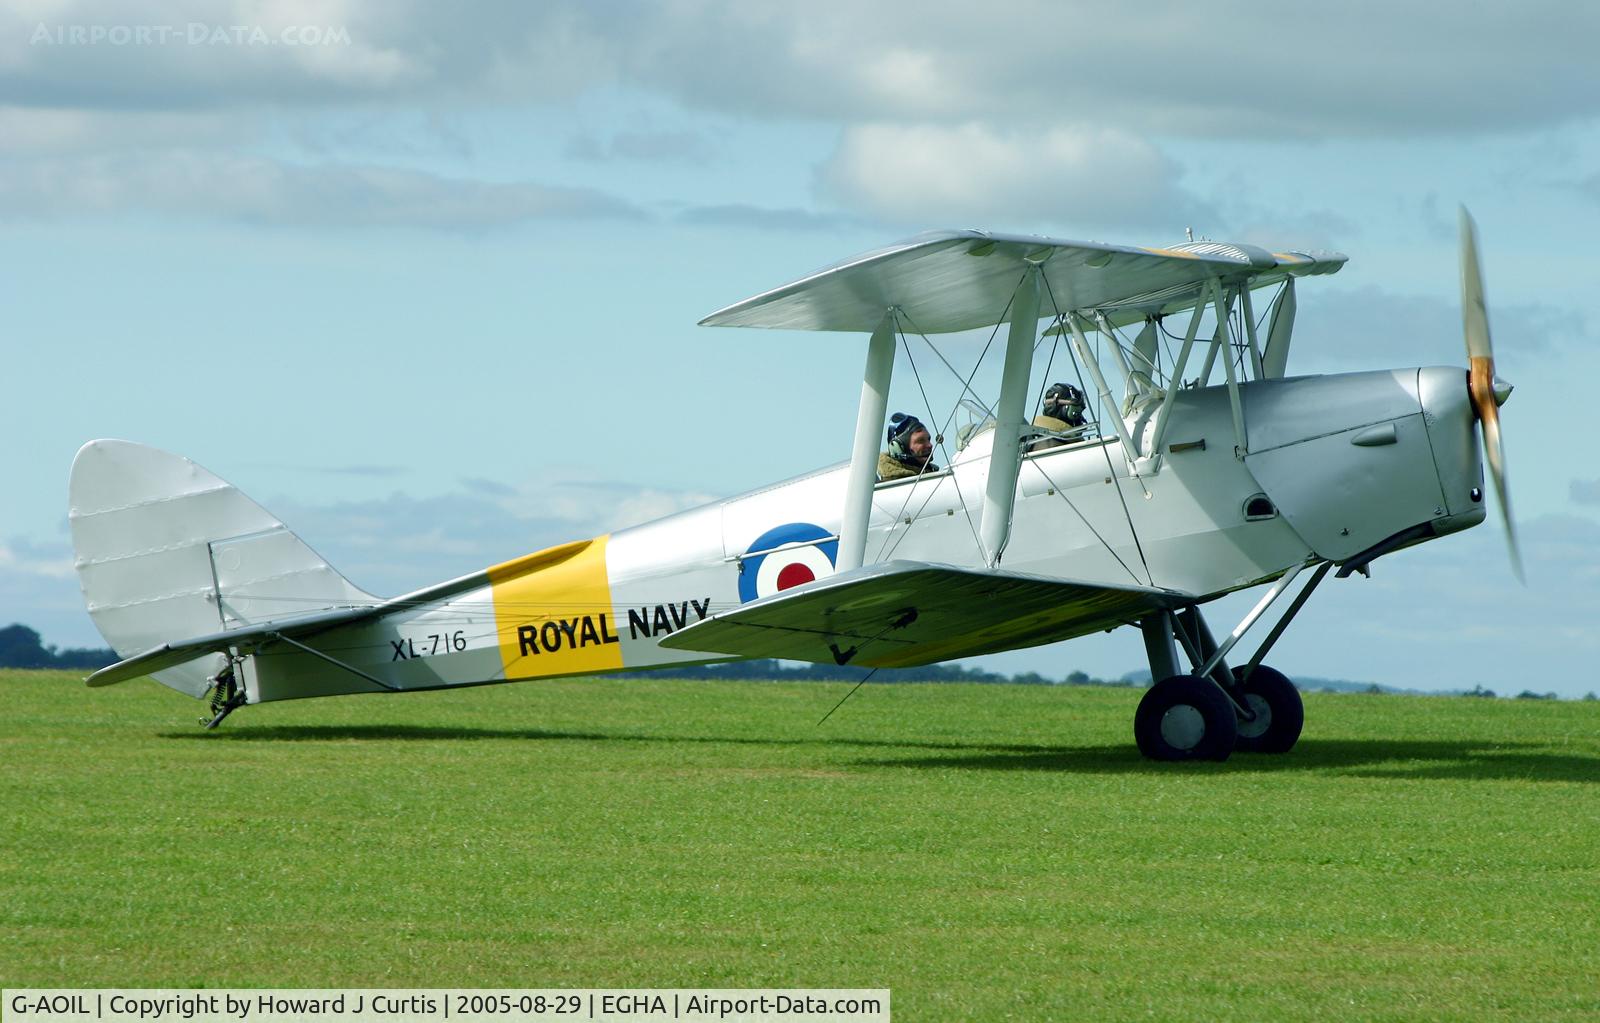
{"points": [[226, 696], [1185, 717], [1275, 702], [1176, 719]]}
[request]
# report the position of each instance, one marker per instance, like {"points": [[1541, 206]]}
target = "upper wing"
{"points": [[905, 613], [960, 280]]}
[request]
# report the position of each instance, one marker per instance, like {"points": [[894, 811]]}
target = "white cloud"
{"points": [[672, 146], [236, 186], [1228, 70], [761, 218], [1450, 613], [399, 543], [22, 557], [974, 173], [32, 131], [186, 54], [1354, 327]]}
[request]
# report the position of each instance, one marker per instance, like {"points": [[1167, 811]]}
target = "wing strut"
{"points": [[1256, 371], [1175, 382], [1224, 343], [1106, 402], [1005, 458], [864, 456], [1280, 328]]}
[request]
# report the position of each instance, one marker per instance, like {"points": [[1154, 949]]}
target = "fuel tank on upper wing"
{"points": [[1353, 460]]}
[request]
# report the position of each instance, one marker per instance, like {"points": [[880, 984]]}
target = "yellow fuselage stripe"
{"points": [[553, 613]]}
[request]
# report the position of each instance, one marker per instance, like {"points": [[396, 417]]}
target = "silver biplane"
{"points": [[1205, 470]]}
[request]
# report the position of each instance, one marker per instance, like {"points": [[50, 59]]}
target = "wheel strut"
{"points": [[226, 696], [1189, 628]]}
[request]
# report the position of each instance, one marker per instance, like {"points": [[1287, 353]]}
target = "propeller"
{"points": [[1488, 392]]}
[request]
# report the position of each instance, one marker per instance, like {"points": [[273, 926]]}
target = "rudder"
{"points": [[165, 550]]}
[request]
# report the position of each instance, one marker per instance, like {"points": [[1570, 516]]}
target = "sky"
{"points": [[424, 279]]}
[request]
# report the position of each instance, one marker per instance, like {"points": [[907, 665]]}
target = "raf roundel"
{"points": [[765, 571]]}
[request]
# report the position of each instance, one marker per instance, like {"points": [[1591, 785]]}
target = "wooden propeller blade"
{"points": [[1480, 378]]}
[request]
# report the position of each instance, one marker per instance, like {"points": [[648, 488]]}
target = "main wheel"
{"points": [[1279, 713], [1185, 717]]}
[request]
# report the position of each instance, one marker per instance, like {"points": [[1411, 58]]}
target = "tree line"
{"points": [[20, 647]]}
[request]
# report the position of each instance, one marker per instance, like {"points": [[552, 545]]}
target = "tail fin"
{"points": [[166, 551]]}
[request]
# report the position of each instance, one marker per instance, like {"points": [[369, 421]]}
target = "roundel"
{"points": [[764, 574]]}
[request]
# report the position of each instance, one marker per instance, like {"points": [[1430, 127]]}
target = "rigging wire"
{"points": [[847, 696], [944, 451], [966, 389], [966, 383], [1044, 384], [1121, 497]]}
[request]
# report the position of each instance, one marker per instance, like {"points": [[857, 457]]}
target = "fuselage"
{"points": [[1327, 468]]}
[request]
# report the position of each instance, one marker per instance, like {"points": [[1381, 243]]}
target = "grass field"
{"points": [[987, 852]]}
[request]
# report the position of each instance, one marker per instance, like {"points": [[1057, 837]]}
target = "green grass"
{"points": [[987, 852]]}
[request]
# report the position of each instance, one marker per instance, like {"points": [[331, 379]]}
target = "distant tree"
{"points": [[82, 657], [1590, 696], [20, 648], [1374, 689], [1529, 694], [1078, 678], [1479, 690]]}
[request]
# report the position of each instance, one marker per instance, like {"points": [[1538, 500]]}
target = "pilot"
{"points": [[1063, 411], [910, 449]]}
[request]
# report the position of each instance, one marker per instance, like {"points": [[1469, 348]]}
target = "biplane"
{"points": [[1203, 469]]}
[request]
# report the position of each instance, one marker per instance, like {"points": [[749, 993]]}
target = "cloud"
{"points": [[399, 543], [487, 488], [1356, 69], [974, 173], [1588, 186], [234, 186], [1448, 614], [192, 55], [22, 557], [1356, 326], [763, 218], [1461, 594], [30, 132], [597, 505], [394, 133], [39, 588], [645, 146], [368, 471], [1584, 491]]}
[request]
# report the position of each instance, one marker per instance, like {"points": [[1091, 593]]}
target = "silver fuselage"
{"points": [[1328, 468]]}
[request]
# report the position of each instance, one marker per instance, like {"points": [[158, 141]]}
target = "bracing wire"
{"points": [[944, 452], [847, 696], [1121, 497], [1044, 384]]}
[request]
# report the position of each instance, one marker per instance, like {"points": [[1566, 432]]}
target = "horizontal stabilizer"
{"points": [[906, 613], [244, 640]]}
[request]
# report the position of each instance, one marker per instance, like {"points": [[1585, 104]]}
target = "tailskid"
{"points": [[226, 695]]}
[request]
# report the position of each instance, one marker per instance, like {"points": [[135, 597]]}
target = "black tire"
{"points": [[1279, 713], [1185, 718]]}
